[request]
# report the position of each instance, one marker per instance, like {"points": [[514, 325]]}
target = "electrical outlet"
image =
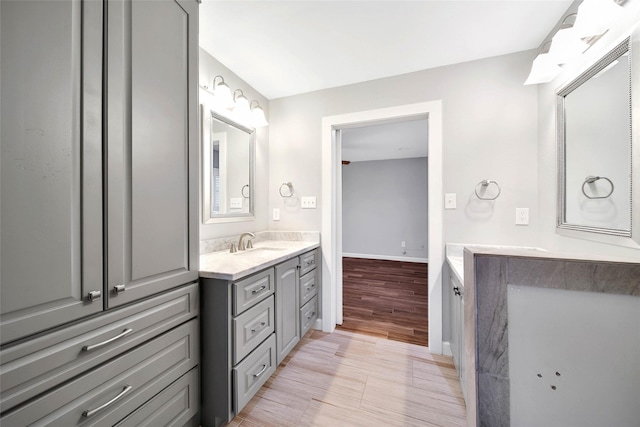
{"points": [[450, 201], [308, 202], [235, 203], [276, 214], [522, 216], [402, 244]]}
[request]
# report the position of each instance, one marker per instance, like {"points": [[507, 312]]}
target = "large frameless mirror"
{"points": [[227, 169], [595, 148]]}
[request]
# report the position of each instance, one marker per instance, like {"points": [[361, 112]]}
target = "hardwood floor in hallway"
{"points": [[387, 299], [354, 380]]}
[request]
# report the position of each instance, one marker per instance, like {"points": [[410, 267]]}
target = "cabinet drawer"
{"points": [[252, 327], [308, 315], [249, 291], [35, 366], [308, 262], [253, 372], [126, 383], [308, 287], [173, 406]]}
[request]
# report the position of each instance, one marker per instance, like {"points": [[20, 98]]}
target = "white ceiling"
{"points": [[284, 48], [398, 140]]}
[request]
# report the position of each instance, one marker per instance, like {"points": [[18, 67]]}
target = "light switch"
{"points": [[522, 216], [450, 201], [276, 214], [308, 202]]}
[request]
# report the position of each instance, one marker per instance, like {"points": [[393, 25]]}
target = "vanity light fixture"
{"points": [[593, 19], [222, 93], [241, 102], [235, 106], [596, 16], [257, 114], [567, 45], [544, 68]]}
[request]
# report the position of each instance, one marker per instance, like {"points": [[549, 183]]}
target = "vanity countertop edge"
{"points": [[234, 266]]}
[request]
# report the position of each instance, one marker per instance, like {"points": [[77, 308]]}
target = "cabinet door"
{"points": [[50, 163], [287, 308], [152, 66]]}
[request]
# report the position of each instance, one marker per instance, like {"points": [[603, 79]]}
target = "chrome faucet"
{"points": [[241, 243]]}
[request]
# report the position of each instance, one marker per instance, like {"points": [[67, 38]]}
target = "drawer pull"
{"points": [[110, 340], [456, 290], [310, 262], [259, 328], [264, 368], [311, 315], [94, 295], [260, 289], [90, 412]]}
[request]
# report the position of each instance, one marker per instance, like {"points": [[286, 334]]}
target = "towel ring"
{"points": [[590, 180], [486, 183], [242, 191], [287, 184]]}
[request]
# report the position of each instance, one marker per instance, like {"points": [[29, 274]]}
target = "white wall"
{"points": [[490, 132], [209, 68], [390, 198]]}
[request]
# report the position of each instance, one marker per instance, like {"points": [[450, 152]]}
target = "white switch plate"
{"points": [[308, 202], [522, 216], [235, 203], [276, 214], [450, 201]]}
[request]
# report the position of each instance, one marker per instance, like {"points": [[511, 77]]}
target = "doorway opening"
{"points": [[332, 274], [384, 230]]}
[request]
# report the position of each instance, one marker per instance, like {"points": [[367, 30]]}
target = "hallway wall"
{"points": [[384, 202]]}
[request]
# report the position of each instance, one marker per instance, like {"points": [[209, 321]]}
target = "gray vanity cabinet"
{"points": [[50, 164], [152, 156], [287, 307], [238, 343], [309, 287], [98, 200], [248, 327], [456, 319], [86, 177]]}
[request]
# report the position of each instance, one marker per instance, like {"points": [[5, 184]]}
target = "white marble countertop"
{"points": [[455, 254], [233, 266]]}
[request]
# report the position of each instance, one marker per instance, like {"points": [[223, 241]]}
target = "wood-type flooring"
{"points": [[348, 379], [386, 299]]}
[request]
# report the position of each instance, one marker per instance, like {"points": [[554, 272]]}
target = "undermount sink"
{"points": [[258, 250]]}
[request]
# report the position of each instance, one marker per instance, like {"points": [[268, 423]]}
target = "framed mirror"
{"points": [[596, 166], [228, 159]]}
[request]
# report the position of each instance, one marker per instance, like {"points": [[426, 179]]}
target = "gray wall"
{"points": [[489, 132], [209, 68], [384, 202]]}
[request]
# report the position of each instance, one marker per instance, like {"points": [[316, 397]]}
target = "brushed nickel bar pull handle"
{"points": [[90, 412], [119, 289], [260, 289], [259, 328], [264, 368], [110, 340]]}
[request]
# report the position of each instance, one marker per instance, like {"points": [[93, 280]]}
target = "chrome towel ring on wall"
{"points": [[592, 179], [290, 191], [484, 184]]}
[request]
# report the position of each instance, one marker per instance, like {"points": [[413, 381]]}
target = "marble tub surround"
{"points": [[489, 275], [265, 253], [223, 243]]}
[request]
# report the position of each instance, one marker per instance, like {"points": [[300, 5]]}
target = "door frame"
{"points": [[331, 229]]}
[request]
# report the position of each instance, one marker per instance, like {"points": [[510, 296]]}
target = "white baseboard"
{"points": [[387, 257], [446, 348]]}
